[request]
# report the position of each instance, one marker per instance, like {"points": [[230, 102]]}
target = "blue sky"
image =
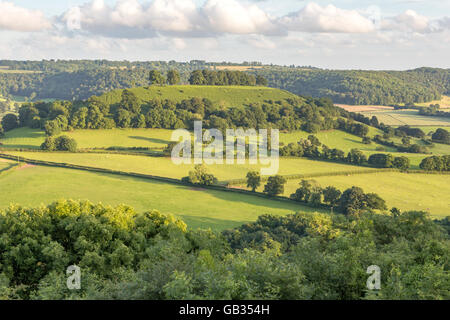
{"points": [[377, 34]]}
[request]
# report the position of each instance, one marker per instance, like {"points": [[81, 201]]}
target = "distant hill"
{"points": [[362, 87], [80, 79], [227, 96]]}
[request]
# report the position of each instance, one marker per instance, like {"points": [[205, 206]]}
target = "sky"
{"points": [[334, 34]]}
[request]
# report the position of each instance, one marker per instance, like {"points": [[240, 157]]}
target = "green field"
{"points": [[225, 96], [427, 192], [35, 185], [162, 166], [334, 139], [407, 117], [25, 138]]}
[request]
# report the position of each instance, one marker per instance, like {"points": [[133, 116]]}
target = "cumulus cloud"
{"points": [[130, 18], [20, 19], [315, 18], [230, 16], [407, 21]]}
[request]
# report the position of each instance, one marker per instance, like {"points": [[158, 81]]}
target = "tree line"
{"points": [[312, 148], [308, 114]]}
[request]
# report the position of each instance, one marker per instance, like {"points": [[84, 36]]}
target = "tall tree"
{"points": [[173, 77]]}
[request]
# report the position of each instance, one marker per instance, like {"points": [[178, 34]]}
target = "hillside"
{"points": [[361, 87], [81, 79], [226, 96]]}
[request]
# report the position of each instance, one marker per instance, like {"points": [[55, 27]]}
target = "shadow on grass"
{"points": [[153, 140]]}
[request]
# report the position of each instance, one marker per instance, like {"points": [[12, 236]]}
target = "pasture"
{"points": [[407, 117], [334, 139], [164, 167], [426, 192], [224, 96], [218, 210]]}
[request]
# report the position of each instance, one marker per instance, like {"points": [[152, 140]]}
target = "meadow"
{"points": [[164, 167], [224, 96], [426, 192], [219, 210]]}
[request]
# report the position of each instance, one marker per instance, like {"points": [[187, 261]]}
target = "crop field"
{"points": [[219, 210], [225, 96], [162, 166], [407, 117], [362, 108]]}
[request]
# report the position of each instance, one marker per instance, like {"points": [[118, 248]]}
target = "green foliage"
{"points": [[225, 78], [441, 135], [436, 163], [353, 201], [156, 78], [126, 255], [381, 160], [200, 176], [65, 143], [49, 144], [61, 143], [253, 180], [275, 185], [39, 244], [173, 77], [402, 163], [10, 122], [361, 87]]}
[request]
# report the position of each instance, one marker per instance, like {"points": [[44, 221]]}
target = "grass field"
{"points": [[334, 139], [164, 167], [427, 192], [35, 185], [23, 138], [407, 117], [225, 96], [159, 138]]}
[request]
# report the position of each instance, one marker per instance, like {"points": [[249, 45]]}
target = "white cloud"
{"points": [[131, 19], [230, 16], [407, 21], [314, 18], [20, 19]]}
